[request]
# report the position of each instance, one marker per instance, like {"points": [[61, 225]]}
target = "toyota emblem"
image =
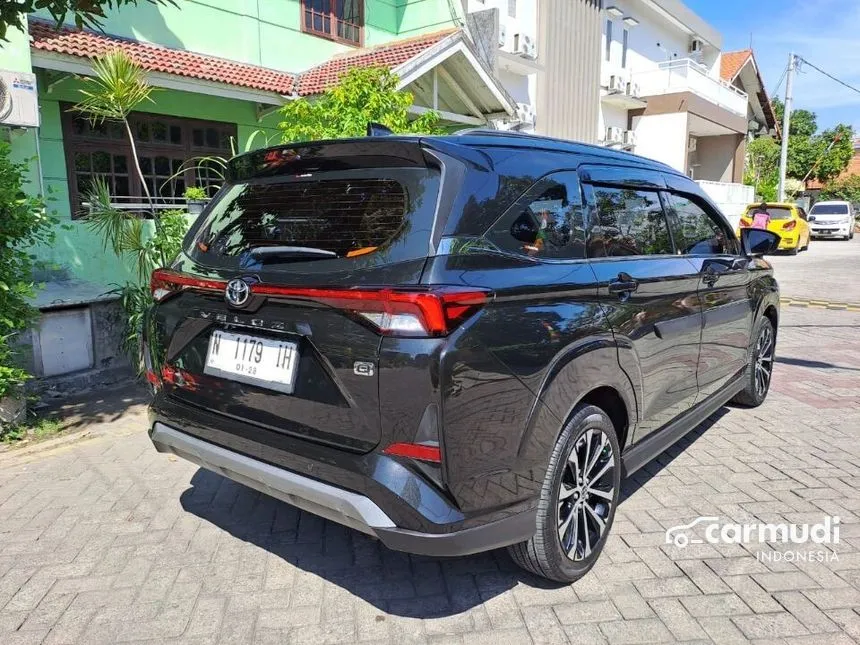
{"points": [[237, 293]]}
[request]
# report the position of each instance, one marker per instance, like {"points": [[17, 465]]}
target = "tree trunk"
{"points": [[143, 183]]}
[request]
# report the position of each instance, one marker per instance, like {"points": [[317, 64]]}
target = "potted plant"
{"points": [[195, 199]]}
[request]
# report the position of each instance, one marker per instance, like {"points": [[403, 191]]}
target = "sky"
{"points": [[825, 32]]}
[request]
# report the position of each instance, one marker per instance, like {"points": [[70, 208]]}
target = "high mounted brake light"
{"points": [[395, 312]]}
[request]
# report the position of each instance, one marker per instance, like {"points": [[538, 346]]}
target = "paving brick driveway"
{"points": [[105, 541]]}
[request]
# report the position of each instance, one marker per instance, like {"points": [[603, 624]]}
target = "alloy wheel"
{"points": [[586, 494], [763, 360]]}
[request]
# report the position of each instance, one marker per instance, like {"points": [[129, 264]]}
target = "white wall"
{"points": [[521, 87], [663, 137], [611, 115], [525, 20]]}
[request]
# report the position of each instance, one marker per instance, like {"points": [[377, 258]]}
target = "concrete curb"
{"points": [[819, 304]]}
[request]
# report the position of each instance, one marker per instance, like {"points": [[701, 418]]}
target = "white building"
{"points": [[662, 94], [513, 29]]}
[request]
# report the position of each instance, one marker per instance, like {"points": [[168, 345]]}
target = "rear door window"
{"points": [[628, 222], [546, 222], [368, 216]]}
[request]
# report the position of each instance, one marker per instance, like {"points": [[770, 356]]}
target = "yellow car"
{"points": [[786, 220]]}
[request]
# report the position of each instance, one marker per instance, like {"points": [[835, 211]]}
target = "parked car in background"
{"points": [[832, 219], [786, 220], [455, 343]]}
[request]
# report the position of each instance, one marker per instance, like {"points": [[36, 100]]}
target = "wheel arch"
{"points": [[589, 373]]}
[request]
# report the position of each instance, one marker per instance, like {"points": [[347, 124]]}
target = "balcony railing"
{"points": [[686, 75]]}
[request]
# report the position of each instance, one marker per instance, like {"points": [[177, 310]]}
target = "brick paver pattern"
{"points": [[106, 541]]}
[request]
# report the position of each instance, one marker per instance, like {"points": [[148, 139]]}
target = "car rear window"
{"points": [[363, 215], [829, 209], [773, 212]]}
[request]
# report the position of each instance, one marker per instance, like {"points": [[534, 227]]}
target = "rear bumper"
{"points": [[338, 504]]}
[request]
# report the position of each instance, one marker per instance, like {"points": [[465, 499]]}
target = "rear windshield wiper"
{"points": [[268, 253]]}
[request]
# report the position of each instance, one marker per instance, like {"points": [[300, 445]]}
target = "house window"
{"points": [[164, 146], [339, 20], [608, 40], [512, 8], [624, 36]]}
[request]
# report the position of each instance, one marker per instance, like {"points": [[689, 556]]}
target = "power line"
{"points": [[830, 76], [779, 82]]}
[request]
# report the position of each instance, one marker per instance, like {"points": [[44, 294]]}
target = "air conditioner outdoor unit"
{"points": [[633, 90], [524, 45], [629, 138], [526, 113], [614, 134], [19, 105], [696, 46], [691, 144], [616, 84], [503, 35]]}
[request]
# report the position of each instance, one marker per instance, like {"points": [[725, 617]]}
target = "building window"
{"points": [[164, 147], [339, 20], [608, 40], [624, 36], [512, 8]]}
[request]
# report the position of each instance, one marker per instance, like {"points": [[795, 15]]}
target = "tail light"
{"points": [[789, 225], [395, 312], [746, 222], [420, 451], [164, 283]]}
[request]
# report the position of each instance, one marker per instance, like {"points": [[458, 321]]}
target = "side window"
{"points": [[546, 222], [802, 213], [628, 222], [695, 232]]}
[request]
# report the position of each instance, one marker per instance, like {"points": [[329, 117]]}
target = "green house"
{"points": [[222, 69]]}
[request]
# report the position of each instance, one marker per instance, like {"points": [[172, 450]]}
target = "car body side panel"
{"points": [[512, 374]]}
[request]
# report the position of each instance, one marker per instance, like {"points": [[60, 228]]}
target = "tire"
{"points": [[589, 429], [759, 366], [795, 250]]}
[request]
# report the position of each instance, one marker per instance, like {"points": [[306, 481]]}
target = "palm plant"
{"points": [[118, 86]]}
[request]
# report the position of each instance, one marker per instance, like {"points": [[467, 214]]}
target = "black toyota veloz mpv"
{"points": [[455, 343]]}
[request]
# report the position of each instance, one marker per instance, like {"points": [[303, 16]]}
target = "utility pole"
{"points": [[786, 122]]}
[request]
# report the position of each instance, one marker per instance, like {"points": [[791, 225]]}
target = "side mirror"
{"points": [[758, 241]]}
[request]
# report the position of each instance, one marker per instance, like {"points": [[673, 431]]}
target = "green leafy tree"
{"points": [[812, 154], [845, 188], [803, 122], [23, 223], [86, 13], [119, 86], [762, 167], [362, 95]]}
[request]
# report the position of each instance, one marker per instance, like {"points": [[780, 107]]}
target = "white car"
{"points": [[832, 219]]}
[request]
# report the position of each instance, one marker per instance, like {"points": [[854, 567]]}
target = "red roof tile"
{"points": [[155, 58], [391, 54], [732, 62]]}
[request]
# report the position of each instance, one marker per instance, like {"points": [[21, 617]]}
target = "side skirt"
{"points": [[640, 454]]}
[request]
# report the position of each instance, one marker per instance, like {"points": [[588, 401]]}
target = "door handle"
{"points": [[623, 285]]}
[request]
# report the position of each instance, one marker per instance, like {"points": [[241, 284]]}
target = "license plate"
{"points": [[257, 361]]}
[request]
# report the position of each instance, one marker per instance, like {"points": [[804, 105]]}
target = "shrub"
{"points": [[23, 223]]}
